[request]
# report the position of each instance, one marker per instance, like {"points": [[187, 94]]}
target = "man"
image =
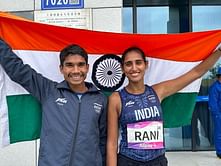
{"points": [[215, 108], [73, 111]]}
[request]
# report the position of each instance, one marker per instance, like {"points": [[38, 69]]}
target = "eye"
{"points": [[81, 64], [128, 63], [69, 65], [139, 62]]}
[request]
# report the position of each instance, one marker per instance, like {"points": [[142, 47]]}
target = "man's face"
{"points": [[75, 70]]}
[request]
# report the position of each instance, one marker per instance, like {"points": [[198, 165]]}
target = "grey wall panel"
{"points": [[102, 3], [16, 5], [19, 154], [107, 19]]}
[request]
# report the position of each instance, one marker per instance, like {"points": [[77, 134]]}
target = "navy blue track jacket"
{"points": [[73, 130]]}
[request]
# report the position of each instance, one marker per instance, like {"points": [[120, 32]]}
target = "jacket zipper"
{"points": [[75, 135]]}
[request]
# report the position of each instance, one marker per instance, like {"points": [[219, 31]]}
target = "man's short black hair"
{"points": [[72, 49]]}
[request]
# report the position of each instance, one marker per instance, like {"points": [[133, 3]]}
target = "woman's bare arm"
{"points": [[170, 87], [114, 106]]}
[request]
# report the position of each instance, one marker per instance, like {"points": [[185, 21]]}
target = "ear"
{"points": [[146, 63], [87, 67], [122, 68], [61, 68]]}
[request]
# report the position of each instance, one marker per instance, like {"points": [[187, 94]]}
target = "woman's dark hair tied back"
{"points": [[135, 49]]}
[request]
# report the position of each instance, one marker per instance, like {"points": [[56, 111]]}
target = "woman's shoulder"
{"points": [[115, 98], [114, 95]]}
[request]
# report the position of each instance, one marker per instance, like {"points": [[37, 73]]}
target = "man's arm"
{"points": [[22, 73]]}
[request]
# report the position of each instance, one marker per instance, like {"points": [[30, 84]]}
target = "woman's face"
{"points": [[134, 66]]}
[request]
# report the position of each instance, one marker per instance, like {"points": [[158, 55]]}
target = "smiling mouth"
{"points": [[75, 76], [134, 74]]}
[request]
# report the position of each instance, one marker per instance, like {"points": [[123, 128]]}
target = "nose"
{"points": [[75, 69], [134, 66]]}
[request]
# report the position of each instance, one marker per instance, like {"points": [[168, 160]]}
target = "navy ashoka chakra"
{"points": [[107, 74]]}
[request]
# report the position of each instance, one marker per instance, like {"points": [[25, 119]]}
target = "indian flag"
{"points": [[169, 56]]}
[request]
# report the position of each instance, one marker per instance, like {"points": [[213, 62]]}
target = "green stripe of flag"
{"points": [[24, 118], [25, 114], [178, 109]]}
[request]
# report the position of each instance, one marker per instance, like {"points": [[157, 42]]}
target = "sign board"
{"points": [[61, 4], [74, 18]]}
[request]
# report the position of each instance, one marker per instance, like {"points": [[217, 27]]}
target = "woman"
{"points": [[137, 112]]}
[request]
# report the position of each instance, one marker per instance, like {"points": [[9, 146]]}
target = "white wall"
{"points": [[106, 16], [90, 3], [19, 154], [106, 19], [103, 14], [102, 3], [16, 5]]}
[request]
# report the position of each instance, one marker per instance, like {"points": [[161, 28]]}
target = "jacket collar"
{"points": [[64, 85]]}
